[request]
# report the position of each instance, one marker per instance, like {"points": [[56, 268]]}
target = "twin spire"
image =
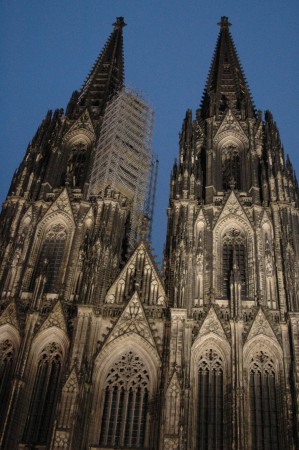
{"points": [[226, 86]]}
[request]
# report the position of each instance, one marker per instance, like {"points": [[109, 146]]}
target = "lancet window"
{"points": [[231, 168], [50, 257], [233, 256], [76, 165], [125, 404], [6, 366], [210, 429], [265, 404], [44, 395]]}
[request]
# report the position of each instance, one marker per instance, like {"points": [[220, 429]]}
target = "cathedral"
{"points": [[99, 348]]}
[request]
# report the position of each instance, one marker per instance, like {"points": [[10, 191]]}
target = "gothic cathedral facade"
{"points": [[101, 350]]}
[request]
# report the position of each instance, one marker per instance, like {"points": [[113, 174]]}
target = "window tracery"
{"points": [[50, 257], [125, 403], [233, 254], [265, 403], [44, 395], [76, 165], [6, 364], [231, 167], [210, 432]]}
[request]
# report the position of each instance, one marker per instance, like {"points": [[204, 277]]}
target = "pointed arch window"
{"points": [[125, 404], [6, 366], [265, 404], [231, 168], [50, 258], [210, 419], [76, 168], [233, 254], [44, 395]]}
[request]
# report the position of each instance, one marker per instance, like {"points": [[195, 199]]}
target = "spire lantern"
{"points": [[224, 23], [119, 23]]}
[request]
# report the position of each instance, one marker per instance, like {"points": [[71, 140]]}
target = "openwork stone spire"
{"points": [[107, 74], [226, 85]]}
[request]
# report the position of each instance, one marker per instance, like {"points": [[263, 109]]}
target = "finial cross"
{"points": [[224, 23]]}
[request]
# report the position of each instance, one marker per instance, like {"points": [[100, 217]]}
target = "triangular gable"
{"points": [[201, 220], [83, 124], [211, 324], [89, 217], [132, 320], [9, 316], [111, 294], [230, 124], [28, 216], [266, 219], [55, 319], [71, 384], [261, 326], [233, 207], [62, 203], [174, 381]]}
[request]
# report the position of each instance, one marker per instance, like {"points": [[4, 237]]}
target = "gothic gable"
{"points": [[233, 211], [55, 319], [61, 205], [211, 324], [71, 385], [132, 321], [201, 222], [230, 126], [265, 219], [261, 326], [83, 126], [141, 274], [9, 316]]}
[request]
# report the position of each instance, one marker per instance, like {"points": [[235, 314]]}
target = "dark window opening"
{"points": [[231, 168], [125, 404], [44, 396]]}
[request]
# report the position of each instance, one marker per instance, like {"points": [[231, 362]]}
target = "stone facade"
{"points": [[98, 349]]}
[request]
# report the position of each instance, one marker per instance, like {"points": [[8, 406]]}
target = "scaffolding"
{"points": [[123, 157]]}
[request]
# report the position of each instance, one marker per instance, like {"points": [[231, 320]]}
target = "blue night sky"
{"points": [[48, 48]]}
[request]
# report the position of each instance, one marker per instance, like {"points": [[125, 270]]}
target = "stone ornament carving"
{"points": [[128, 372], [132, 320], [171, 443], [173, 402], [82, 126], [55, 319], [262, 363], [211, 324], [62, 203], [149, 284], [6, 351], [10, 316], [261, 326], [61, 440], [233, 207], [230, 127], [71, 385], [52, 352], [210, 361]]}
